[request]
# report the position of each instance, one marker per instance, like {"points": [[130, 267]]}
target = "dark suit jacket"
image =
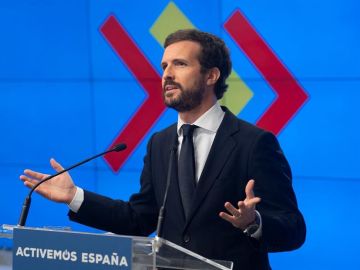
{"points": [[240, 152]]}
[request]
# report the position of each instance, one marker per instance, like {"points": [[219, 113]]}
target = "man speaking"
{"points": [[230, 195]]}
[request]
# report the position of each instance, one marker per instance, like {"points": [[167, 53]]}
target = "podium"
{"points": [[45, 248]]}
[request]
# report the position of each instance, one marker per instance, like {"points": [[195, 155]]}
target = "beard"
{"points": [[187, 99]]}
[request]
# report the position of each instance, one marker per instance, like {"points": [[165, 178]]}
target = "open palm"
{"points": [[59, 189]]}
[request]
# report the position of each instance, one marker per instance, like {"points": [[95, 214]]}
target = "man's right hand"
{"points": [[59, 189]]}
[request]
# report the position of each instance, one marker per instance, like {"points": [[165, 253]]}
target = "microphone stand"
{"points": [[162, 208]]}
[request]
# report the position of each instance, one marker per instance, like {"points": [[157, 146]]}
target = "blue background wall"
{"points": [[65, 94]]}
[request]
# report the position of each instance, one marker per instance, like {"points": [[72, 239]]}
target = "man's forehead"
{"points": [[182, 49]]}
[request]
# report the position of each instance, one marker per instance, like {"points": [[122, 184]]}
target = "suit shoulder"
{"points": [[255, 132], [165, 136], [248, 128], [246, 132]]}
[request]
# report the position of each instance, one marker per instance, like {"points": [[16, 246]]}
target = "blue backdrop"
{"points": [[65, 93]]}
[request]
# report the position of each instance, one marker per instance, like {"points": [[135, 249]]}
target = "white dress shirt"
{"points": [[203, 136]]}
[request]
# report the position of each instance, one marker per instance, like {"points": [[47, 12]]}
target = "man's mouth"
{"points": [[170, 87]]}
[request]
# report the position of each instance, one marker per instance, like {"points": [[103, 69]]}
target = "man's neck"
{"points": [[192, 115]]}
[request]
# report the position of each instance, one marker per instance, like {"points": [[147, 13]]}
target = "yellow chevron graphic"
{"points": [[172, 19]]}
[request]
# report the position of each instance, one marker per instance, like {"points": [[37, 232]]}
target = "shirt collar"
{"points": [[210, 120]]}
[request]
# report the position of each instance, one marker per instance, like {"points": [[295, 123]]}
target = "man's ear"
{"points": [[213, 75]]}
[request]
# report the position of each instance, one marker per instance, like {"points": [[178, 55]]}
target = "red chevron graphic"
{"points": [[141, 122], [290, 95]]}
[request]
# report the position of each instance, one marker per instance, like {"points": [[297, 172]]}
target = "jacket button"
{"points": [[186, 238]]}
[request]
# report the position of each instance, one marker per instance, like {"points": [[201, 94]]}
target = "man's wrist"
{"points": [[254, 229]]}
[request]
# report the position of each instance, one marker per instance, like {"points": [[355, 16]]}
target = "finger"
{"points": [[241, 205], [254, 201], [227, 217], [57, 166], [251, 203], [232, 210], [25, 178], [31, 183], [249, 189], [35, 175], [28, 182]]}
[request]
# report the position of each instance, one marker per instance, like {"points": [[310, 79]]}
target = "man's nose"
{"points": [[168, 74]]}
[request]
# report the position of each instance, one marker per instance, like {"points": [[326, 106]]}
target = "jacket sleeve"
{"points": [[283, 225], [138, 216]]}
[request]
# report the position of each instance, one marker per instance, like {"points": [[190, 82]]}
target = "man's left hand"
{"points": [[244, 215]]}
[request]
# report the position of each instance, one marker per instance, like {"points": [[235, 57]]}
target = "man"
{"points": [[221, 214]]}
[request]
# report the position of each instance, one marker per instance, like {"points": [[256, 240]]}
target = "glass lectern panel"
{"points": [[147, 253]]}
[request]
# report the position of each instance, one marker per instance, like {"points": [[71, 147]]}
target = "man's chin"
{"points": [[178, 106], [171, 104], [170, 99]]}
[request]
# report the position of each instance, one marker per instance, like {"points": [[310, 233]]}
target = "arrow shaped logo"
{"points": [[290, 95], [148, 113]]}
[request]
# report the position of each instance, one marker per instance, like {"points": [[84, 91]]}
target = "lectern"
{"points": [[44, 248]]}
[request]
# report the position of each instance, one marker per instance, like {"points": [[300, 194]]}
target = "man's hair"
{"points": [[214, 53]]}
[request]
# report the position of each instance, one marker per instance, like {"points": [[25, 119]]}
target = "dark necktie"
{"points": [[186, 167]]}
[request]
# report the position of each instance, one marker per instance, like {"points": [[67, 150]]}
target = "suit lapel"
{"points": [[219, 153]]}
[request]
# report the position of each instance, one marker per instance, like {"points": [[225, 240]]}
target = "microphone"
{"points": [[162, 208], [26, 206]]}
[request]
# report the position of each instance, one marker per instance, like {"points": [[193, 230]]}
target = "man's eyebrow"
{"points": [[177, 59], [174, 60]]}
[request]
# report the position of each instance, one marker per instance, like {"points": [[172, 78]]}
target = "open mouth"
{"points": [[170, 87]]}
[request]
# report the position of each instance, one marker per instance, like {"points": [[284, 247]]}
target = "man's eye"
{"points": [[180, 64]]}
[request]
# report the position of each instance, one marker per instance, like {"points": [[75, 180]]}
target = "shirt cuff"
{"points": [[77, 200], [258, 232]]}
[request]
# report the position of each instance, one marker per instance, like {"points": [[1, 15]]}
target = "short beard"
{"points": [[186, 100]]}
